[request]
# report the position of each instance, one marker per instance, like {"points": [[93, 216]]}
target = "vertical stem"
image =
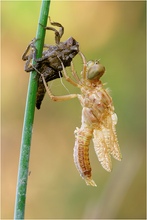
{"points": [[28, 120]]}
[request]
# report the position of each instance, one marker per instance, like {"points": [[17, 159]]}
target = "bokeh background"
{"points": [[113, 32]]}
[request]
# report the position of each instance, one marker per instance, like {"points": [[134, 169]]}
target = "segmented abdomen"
{"points": [[81, 153], [40, 95]]}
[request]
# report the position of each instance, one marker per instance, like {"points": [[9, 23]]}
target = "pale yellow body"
{"points": [[98, 119]]}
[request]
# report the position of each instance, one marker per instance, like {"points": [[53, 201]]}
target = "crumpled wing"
{"points": [[106, 143]]}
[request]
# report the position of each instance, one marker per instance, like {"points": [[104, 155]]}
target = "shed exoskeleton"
{"points": [[49, 65]]}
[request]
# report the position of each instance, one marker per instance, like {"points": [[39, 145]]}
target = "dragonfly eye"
{"points": [[94, 70]]}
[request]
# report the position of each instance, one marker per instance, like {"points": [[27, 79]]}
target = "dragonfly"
{"points": [[98, 120], [49, 64]]}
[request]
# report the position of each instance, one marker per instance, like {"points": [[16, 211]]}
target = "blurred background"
{"points": [[113, 32]]}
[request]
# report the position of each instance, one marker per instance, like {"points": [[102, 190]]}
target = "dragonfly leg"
{"points": [[58, 34], [57, 98], [75, 75], [84, 65], [67, 78], [32, 55]]}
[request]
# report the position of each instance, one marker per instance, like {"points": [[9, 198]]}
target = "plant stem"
{"points": [[28, 119]]}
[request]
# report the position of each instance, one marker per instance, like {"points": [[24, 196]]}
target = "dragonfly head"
{"points": [[94, 70]]}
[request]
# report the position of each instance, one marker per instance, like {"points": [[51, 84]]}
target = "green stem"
{"points": [[28, 120]]}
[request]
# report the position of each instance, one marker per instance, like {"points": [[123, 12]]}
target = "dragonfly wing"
{"points": [[101, 147], [114, 146]]}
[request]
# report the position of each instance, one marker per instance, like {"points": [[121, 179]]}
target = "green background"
{"points": [[113, 32]]}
